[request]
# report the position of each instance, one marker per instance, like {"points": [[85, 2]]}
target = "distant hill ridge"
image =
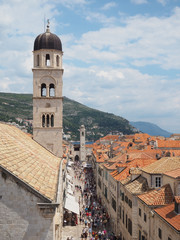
{"points": [[97, 123], [150, 128]]}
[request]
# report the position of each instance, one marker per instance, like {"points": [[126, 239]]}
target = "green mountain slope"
{"points": [[97, 123]]}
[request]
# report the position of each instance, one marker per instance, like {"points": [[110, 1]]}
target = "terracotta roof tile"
{"points": [[174, 173], [169, 215], [127, 166], [159, 196], [168, 144], [29, 161], [137, 186], [163, 165]]}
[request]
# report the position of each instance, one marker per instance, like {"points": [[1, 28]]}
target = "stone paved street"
{"points": [[74, 231], [94, 217]]}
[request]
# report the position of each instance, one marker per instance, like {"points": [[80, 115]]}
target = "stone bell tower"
{"points": [[82, 144], [47, 92]]}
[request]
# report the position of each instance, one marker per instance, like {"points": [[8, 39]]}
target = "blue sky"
{"points": [[120, 56]]}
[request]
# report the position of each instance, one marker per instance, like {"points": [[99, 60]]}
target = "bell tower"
{"points": [[47, 92], [82, 144]]}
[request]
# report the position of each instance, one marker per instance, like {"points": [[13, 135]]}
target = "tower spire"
{"points": [[48, 23]]}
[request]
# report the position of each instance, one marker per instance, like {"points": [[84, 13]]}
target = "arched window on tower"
{"points": [[38, 60], [82, 133], [47, 120], [51, 90], [57, 61], [52, 120], [43, 120], [47, 60], [43, 90]]}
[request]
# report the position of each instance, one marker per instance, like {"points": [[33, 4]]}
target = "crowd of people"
{"points": [[92, 215]]}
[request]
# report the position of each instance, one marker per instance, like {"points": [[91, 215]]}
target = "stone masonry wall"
{"points": [[20, 217]]}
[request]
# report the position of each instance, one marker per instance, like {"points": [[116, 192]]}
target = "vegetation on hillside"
{"points": [[97, 123]]}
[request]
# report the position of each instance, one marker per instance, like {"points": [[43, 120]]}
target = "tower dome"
{"points": [[47, 40]]}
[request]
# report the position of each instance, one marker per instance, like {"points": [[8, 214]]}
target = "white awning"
{"points": [[69, 190], [68, 176], [68, 183], [71, 204]]}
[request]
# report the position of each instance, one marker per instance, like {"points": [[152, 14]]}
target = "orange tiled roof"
{"points": [[141, 137], [110, 166], [89, 145], [163, 165], [28, 161], [174, 173], [135, 163], [168, 214], [137, 186], [157, 197], [111, 137], [168, 143]]}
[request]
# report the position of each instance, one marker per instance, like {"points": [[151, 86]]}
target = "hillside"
{"points": [[97, 123], [150, 128]]}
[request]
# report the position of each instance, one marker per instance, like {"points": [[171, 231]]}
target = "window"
{"points": [[57, 61], [106, 175], [38, 60], [99, 183], [99, 171], [43, 120], [139, 235], [51, 90], [159, 233], [130, 226], [47, 63], [123, 216], [43, 90], [120, 212], [169, 238], [158, 181], [113, 203], [139, 212], [122, 196], [52, 120], [47, 121], [130, 203], [126, 220], [126, 199], [82, 133], [144, 217], [105, 192]]}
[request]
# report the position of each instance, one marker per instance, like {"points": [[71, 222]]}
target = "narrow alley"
{"points": [[93, 219]]}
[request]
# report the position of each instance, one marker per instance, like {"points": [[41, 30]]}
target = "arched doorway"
{"points": [[76, 158]]}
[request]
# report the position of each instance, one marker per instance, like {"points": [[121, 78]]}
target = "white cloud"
{"points": [[101, 18], [109, 5], [125, 92], [142, 41], [139, 1], [163, 2]]}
